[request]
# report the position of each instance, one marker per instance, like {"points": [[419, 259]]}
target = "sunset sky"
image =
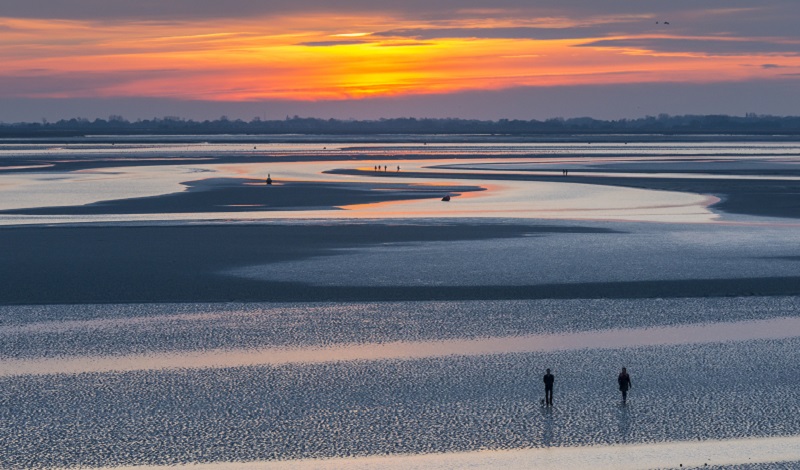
{"points": [[525, 59]]}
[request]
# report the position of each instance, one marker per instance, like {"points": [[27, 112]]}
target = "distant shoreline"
{"points": [[389, 138], [649, 128]]}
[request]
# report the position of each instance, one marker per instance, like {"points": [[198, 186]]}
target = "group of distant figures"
{"points": [[385, 168], [624, 381]]}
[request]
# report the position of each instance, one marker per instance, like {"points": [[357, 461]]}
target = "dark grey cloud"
{"points": [[406, 44], [701, 46], [189, 9], [771, 66], [719, 45], [759, 21], [330, 43], [765, 20], [497, 33], [353, 42]]}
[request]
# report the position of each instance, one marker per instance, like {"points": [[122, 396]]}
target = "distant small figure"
{"points": [[269, 179], [666, 22], [398, 168], [624, 384], [385, 168], [446, 198], [548, 387]]}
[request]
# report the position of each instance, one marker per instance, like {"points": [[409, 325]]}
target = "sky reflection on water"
{"points": [[777, 328], [503, 198]]}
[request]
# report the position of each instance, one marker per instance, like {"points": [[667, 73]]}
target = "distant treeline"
{"points": [[663, 124]]}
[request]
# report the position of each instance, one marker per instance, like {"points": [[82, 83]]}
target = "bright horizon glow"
{"points": [[313, 58]]}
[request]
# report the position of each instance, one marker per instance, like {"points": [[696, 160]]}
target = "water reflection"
{"points": [[780, 328], [688, 454], [505, 199], [624, 418], [547, 426]]}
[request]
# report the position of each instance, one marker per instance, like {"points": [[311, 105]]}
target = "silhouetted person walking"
{"points": [[624, 384], [548, 388]]}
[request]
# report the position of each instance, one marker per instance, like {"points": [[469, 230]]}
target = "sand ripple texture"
{"points": [[708, 391], [385, 405]]}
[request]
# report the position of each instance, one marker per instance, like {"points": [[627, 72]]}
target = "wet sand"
{"points": [[86, 264], [181, 263], [395, 408], [249, 195]]}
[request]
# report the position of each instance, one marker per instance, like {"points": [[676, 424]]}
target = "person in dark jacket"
{"points": [[624, 381], [548, 388]]}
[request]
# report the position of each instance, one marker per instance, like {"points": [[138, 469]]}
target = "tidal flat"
{"points": [[162, 305]]}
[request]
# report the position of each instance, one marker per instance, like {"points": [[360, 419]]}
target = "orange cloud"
{"points": [[330, 57]]}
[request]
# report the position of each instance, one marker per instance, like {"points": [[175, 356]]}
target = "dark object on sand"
{"points": [[269, 179], [446, 198], [548, 387], [624, 381]]}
